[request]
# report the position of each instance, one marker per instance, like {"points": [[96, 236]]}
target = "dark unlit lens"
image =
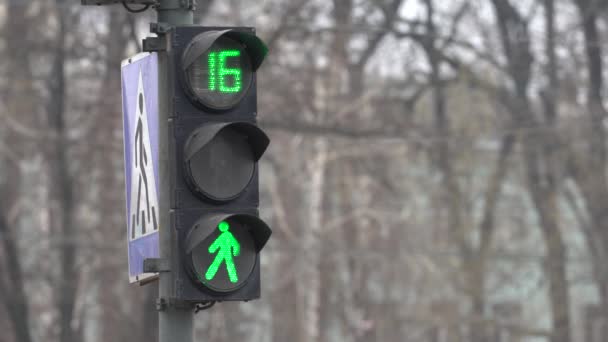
{"points": [[225, 166]]}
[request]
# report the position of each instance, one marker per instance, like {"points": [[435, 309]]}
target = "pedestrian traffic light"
{"points": [[214, 148], [222, 256]]}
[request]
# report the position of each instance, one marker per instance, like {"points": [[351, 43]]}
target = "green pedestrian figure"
{"points": [[228, 247]]}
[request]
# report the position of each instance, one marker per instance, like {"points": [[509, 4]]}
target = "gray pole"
{"points": [[176, 12], [174, 322]]}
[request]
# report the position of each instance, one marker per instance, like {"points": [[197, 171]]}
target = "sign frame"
{"points": [[139, 82]]}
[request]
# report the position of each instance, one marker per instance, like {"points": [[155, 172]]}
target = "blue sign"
{"points": [[140, 129]]}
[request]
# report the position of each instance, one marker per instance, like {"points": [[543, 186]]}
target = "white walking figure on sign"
{"points": [[143, 209]]}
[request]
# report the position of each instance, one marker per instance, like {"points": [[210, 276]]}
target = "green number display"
{"points": [[219, 72]]}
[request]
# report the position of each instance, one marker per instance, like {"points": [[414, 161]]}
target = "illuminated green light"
{"points": [[212, 71], [219, 72], [234, 72], [228, 248]]}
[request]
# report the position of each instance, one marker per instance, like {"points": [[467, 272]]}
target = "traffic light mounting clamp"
{"points": [[156, 265], [112, 2], [183, 4], [160, 28], [154, 44], [162, 304]]}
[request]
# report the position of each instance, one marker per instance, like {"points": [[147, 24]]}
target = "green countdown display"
{"points": [[219, 76], [223, 78]]}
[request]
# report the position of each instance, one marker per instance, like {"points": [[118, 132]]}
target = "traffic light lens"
{"points": [[221, 76], [222, 169], [226, 258]]}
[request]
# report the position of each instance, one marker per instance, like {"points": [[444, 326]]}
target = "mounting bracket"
{"points": [[112, 2], [153, 265], [163, 304]]}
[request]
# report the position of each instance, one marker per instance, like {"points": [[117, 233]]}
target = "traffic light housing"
{"points": [[214, 148]]}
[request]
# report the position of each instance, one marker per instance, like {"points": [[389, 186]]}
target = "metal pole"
{"points": [[176, 12], [174, 323]]}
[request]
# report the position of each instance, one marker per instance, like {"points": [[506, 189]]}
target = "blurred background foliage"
{"points": [[437, 172]]}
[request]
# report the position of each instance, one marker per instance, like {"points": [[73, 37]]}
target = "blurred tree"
{"points": [[16, 93], [540, 157]]}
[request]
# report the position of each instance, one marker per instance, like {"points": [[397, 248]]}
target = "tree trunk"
{"points": [[589, 171], [477, 274], [13, 297], [442, 155], [62, 181], [309, 286], [539, 158]]}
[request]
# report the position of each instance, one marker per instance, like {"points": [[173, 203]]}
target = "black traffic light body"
{"points": [[213, 152]]}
